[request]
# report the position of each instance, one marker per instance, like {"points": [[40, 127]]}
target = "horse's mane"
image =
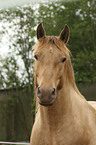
{"points": [[44, 41], [53, 40]]}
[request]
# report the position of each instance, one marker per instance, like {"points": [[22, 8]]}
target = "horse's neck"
{"points": [[61, 108]]}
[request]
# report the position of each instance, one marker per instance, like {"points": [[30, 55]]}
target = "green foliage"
{"points": [[85, 66], [21, 22], [9, 77]]}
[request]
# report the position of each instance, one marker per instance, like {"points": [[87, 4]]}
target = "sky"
{"points": [[5, 38], [14, 3], [4, 41]]}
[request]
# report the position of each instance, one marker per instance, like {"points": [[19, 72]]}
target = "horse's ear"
{"points": [[40, 31], [64, 35]]}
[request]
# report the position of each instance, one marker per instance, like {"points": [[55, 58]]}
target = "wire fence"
{"points": [[14, 143]]}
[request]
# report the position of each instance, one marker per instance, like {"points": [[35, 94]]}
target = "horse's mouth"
{"points": [[45, 104], [49, 103]]}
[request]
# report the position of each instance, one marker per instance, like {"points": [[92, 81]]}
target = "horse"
{"points": [[63, 115]]}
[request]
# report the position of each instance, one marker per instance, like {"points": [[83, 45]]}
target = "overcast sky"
{"points": [[13, 3]]}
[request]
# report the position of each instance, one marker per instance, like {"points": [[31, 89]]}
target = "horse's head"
{"points": [[50, 60]]}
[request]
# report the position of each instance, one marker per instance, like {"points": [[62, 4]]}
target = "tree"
{"points": [[21, 21]]}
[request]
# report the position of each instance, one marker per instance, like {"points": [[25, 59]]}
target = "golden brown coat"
{"points": [[69, 119]]}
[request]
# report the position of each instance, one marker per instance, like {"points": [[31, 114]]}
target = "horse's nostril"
{"points": [[53, 92]]}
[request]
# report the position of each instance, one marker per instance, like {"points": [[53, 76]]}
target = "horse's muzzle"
{"points": [[46, 96]]}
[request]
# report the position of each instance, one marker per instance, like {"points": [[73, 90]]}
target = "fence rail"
{"points": [[15, 143]]}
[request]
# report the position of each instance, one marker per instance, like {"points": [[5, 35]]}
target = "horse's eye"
{"points": [[36, 57], [63, 60]]}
